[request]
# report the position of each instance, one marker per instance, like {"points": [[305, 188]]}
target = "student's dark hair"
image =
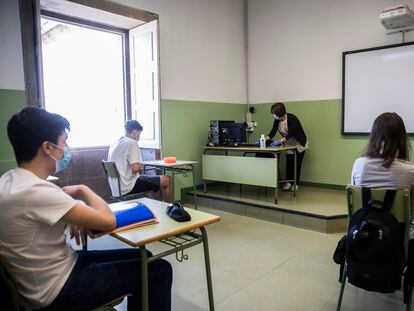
{"points": [[30, 128], [278, 109], [388, 139], [132, 125]]}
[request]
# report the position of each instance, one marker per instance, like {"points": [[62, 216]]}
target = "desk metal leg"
{"points": [[295, 157], [144, 278], [276, 194], [208, 269], [172, 185], [194, 188], [277, 174]]}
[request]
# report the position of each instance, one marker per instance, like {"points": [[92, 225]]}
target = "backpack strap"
{"points": [[388, 199], [386, 204], [366, 197]]}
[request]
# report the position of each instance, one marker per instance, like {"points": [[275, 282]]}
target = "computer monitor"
{"points": [[232, 133]]}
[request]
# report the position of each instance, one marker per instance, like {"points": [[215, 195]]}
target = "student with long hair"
{"points": [[384, 163]]}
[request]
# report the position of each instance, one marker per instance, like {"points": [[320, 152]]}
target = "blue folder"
{"points": [[135, 214], [139, 212]]}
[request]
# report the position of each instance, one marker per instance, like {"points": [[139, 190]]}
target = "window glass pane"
{"points": [[83, 81]]}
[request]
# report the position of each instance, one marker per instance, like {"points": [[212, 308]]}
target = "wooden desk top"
{"points": [[167, 227], [161, 163], [251, 148]]}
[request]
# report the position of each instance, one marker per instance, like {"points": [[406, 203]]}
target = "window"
{"points": [[78, 62], [144, 85], [83, 78]]}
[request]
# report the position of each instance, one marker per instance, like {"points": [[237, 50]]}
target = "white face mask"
{"points": [[276, 117]]}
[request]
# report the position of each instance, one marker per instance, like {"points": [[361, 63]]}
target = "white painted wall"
{"points": [[11, 58], [202, 48], [295, 46]]}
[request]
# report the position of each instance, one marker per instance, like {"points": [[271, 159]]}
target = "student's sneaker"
{"points": [[293, 187], [287, 186]]}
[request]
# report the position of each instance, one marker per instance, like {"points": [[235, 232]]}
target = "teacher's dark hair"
{"points": [[30, 128], [388, 139], [278, 109]]}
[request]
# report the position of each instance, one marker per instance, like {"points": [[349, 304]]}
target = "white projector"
{"points": [[397, 17]]}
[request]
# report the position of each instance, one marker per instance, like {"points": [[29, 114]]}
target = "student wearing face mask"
{"points": [[291, 130], [126, 154], [34, 213]]}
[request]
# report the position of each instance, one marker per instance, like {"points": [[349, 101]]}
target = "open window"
{"points": [[96, 63]]}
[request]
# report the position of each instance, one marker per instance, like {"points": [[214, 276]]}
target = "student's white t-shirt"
{"points": [[369, 172], [32, 235], [124, 152]]}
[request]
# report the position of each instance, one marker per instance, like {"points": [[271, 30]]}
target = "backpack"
{"points": [[374, 246]]}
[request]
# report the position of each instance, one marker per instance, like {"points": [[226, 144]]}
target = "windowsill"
{"points": [[104, 147]]}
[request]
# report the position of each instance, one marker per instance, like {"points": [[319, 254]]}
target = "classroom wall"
{"points": [[202, 49], [12, 96], [202, 71], [186, 127], [295, 55]]}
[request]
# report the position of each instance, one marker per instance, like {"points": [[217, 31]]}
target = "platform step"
{"points": [[327, 217]]}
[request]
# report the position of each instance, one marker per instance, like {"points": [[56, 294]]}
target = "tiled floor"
{"points": [[259, 265]]}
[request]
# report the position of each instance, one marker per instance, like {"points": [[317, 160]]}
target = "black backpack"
{"points": [[374, 246]]}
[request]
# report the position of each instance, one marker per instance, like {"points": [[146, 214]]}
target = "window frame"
{"points": [[100, 27], [31, 12]]}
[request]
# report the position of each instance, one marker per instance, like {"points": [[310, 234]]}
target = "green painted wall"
{"points": [[185, 125], [11, 101], [330, 156]]}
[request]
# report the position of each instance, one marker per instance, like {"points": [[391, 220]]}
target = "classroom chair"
{"points": [[11, 301], [111, 172], [401, 209]]}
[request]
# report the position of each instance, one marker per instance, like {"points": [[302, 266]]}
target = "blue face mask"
{"points": [[64, 162], [276, 117]]}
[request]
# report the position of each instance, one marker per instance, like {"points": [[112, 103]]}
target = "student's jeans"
{"points": [[105, 275]]}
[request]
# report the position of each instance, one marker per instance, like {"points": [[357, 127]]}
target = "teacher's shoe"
{"points": [[293, 187], [287, 186]]}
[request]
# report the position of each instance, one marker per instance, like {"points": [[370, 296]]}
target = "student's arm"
{"points": [[135, 167], [134, 157], [95, 214]]}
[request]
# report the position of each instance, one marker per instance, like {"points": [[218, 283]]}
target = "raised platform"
{"points": [[313, 208]]}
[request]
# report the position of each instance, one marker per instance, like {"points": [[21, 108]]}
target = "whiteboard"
{"points": [[374, 81]]}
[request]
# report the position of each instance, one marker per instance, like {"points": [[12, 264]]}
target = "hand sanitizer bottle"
{"points": [[262, 141]]}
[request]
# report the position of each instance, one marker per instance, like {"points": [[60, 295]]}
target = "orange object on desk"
{"points": [[170, 159]]}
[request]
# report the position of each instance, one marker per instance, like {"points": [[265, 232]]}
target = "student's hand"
{"points": [[75, 191], [283, 140], [79, 233]]}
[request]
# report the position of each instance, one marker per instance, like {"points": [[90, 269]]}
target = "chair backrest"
{"points": [[112, 175], [8, 289], [401, 207]]}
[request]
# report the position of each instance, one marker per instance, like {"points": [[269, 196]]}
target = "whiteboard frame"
{"points": [[344, 54]]}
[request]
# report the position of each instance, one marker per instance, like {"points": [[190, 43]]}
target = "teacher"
{"points": [[291, 130]]}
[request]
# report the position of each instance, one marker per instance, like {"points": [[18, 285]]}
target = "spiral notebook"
{"points": [[128, 216]]}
